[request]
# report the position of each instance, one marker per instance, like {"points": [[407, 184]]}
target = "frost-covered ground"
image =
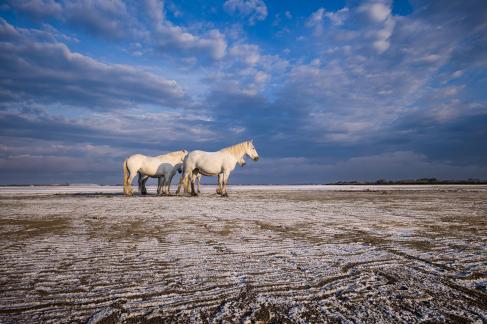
{"points": [[271, 254]]}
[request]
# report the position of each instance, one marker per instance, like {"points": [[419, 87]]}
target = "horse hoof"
{"points": [[225, 195]]}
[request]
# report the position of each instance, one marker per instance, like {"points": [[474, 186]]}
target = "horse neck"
{"points": [[237, 150]]}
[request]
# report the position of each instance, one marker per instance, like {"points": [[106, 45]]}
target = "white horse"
{"points": [[163, 182], [162, 166], [220, 163], [240, 162]]}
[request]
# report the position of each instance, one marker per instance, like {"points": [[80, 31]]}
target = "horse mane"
{"points": [[236, 150], [175, 154]]}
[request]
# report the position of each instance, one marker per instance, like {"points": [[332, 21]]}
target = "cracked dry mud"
{"points": [[376, 255]]}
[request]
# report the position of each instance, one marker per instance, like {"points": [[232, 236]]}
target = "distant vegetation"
{"points": [[422, 181]]}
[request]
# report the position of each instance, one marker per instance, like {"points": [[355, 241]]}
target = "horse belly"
{"points": [[150, 169], [209, 169], [208, 174]]}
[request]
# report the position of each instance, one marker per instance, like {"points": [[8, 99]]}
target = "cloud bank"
{"points": [[364, 90]]}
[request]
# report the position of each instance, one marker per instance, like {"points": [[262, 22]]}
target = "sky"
{"points": [[327, 90]]}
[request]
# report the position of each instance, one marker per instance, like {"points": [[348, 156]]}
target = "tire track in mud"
{"points": [[270, 256]]}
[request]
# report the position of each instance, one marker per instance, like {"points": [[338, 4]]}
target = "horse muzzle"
{"points": [[256, 158]]}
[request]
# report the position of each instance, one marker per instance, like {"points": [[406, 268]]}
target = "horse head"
{"points": [[241, 162], [184, 153], [179, 166], [251, 151]]}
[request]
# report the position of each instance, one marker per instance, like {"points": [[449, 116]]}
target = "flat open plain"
{"points": [[271, 254]]}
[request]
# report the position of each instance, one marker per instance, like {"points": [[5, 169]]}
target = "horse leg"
{"points": [[167, 184], [159, 186], [163, 184], [142, 180], [130, 192], [224, 184], [139, 181], [165, 188], [183, 181], [219, 187], [169, 181], [144, 188], [199, 181], [193, 179]]}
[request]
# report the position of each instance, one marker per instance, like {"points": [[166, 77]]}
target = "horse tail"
{"points": [[126, 177], [182, 179], [185, 177]]}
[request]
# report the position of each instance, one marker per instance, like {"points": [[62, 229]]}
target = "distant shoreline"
{"points": [[423, 181]]}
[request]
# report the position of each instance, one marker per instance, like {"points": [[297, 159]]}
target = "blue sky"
{"points": [[328, 90]]}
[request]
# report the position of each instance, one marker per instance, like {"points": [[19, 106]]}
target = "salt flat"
{"points": [[87, 189], [266, 253]]}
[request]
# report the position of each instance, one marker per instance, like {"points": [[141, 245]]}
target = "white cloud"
{"points": [[381, 45], [376, 11], [379, 25], [457, 74], [155, 9], [109, 19], [38, 8], [171, 38], [112, 19], [315, 21], [430, 58], [51, 72], [383, 35], [338, 17], [62, 164], [261, 77], [248, 53], [174, 38], [253, 9]]}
